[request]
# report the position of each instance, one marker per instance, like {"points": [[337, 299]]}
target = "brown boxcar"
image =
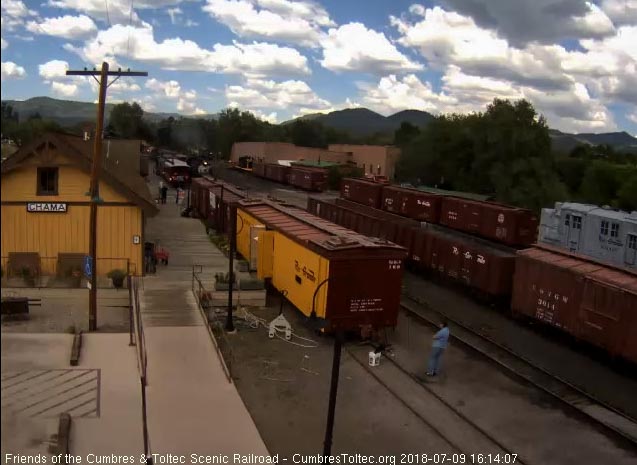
{"points": [[200, 197], [412, 203], [592, 301], [307, 178], [258, 168], [362, 191], [503, 223], [476, 263], [276, 172], [349, 279]]}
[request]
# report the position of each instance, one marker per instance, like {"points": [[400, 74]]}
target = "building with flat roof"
{"points": [[376, 160]]}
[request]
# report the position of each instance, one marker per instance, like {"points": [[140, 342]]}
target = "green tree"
{"points": [[126, 121], [627, 194], [405, 134]]}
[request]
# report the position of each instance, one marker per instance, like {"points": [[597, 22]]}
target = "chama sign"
{"points": [[47, 207]]}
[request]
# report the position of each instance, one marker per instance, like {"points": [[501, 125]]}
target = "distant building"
{"points": [[374, 159], [379, 160], [45, 208], [597, 232]]}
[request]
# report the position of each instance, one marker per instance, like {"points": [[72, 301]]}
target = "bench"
{"points": [[18, 305]]}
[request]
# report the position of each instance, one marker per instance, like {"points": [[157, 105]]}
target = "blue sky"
{"points": [[575, 60]]}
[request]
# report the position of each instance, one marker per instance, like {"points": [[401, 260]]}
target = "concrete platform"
{"points": [[192, 408]]}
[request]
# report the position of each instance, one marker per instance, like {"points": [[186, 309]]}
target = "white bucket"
{"points": [[374, 359]]}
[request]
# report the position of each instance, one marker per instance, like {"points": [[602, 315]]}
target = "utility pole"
{"points": [[233, 247], [104, 73]]}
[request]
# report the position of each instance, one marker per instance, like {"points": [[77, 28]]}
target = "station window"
{"points": [[577, 222], [47, 181], [567, 220], [614, 230], [604, 228], [632, 241]]}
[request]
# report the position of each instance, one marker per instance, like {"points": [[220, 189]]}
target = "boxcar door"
{"points": [[630, 253], [574, 230]]}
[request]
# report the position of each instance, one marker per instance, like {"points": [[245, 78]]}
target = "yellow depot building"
{"points": [[45, 207]]}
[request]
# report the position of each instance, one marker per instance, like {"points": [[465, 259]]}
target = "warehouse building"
{"points": [[598, 232], [46, 209], [378, 160]]}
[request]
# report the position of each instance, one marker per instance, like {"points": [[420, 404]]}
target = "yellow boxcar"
{"points": [[345, 278]]}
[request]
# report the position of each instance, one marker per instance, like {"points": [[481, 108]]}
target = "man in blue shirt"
{"points": [[438, 346]]}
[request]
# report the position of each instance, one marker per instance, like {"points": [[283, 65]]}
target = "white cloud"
{"points": [[53, 69], [12, 71], [118, 12], [354, 47], [632, 116], [64, 90], [308, 10], [273, 20], [445, 38], [348, 103], [256, 93], [4, 44], [394, 94], [170, 89], [269, 117], [621, 11], [186, 100], [573, 110], [14, 12], [179, 54], [68, 27]]}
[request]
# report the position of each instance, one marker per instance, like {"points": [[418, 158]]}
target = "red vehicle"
{"points": [[176, 172]]}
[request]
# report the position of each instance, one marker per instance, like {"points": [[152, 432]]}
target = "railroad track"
{"points": [[464, 435], [614, 421]]}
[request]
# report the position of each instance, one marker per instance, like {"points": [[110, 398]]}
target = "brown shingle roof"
{"points": [[120, 167]]}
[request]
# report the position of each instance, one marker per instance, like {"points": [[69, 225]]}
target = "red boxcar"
{"points": [[310, 179], [276, 172], [258, 168], [361, 191], [412, 203], [477, 263], [592, 301], [502, 223]]}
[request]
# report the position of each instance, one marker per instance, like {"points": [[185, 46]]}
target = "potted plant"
{"points": [[222, 282], [117, 277]]}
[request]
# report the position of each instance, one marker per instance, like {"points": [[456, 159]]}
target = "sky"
{"points": [[576, 61]]}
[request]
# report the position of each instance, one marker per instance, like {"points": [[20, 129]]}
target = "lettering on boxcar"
{"points": [[389, 201], [395, 264], [455, 250], [501, 218], [452, 215], [426, 203], [467, 255], [366, 305], [481, 260]]}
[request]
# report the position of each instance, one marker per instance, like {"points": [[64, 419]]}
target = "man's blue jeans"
{"points": [[434, 360]]}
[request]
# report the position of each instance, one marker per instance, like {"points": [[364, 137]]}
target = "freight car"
{"points": [[412, 203], [277, 173], [508, 225], [307, 178], [348, 279], [594, 302], [211, 199], [478, 264], [362, 191]]}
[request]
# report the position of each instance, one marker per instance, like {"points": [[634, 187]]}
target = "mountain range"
{"points": [[356, 121]]}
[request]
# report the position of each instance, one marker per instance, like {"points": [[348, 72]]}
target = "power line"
{"points": [[130, 22], [108, 17]]}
